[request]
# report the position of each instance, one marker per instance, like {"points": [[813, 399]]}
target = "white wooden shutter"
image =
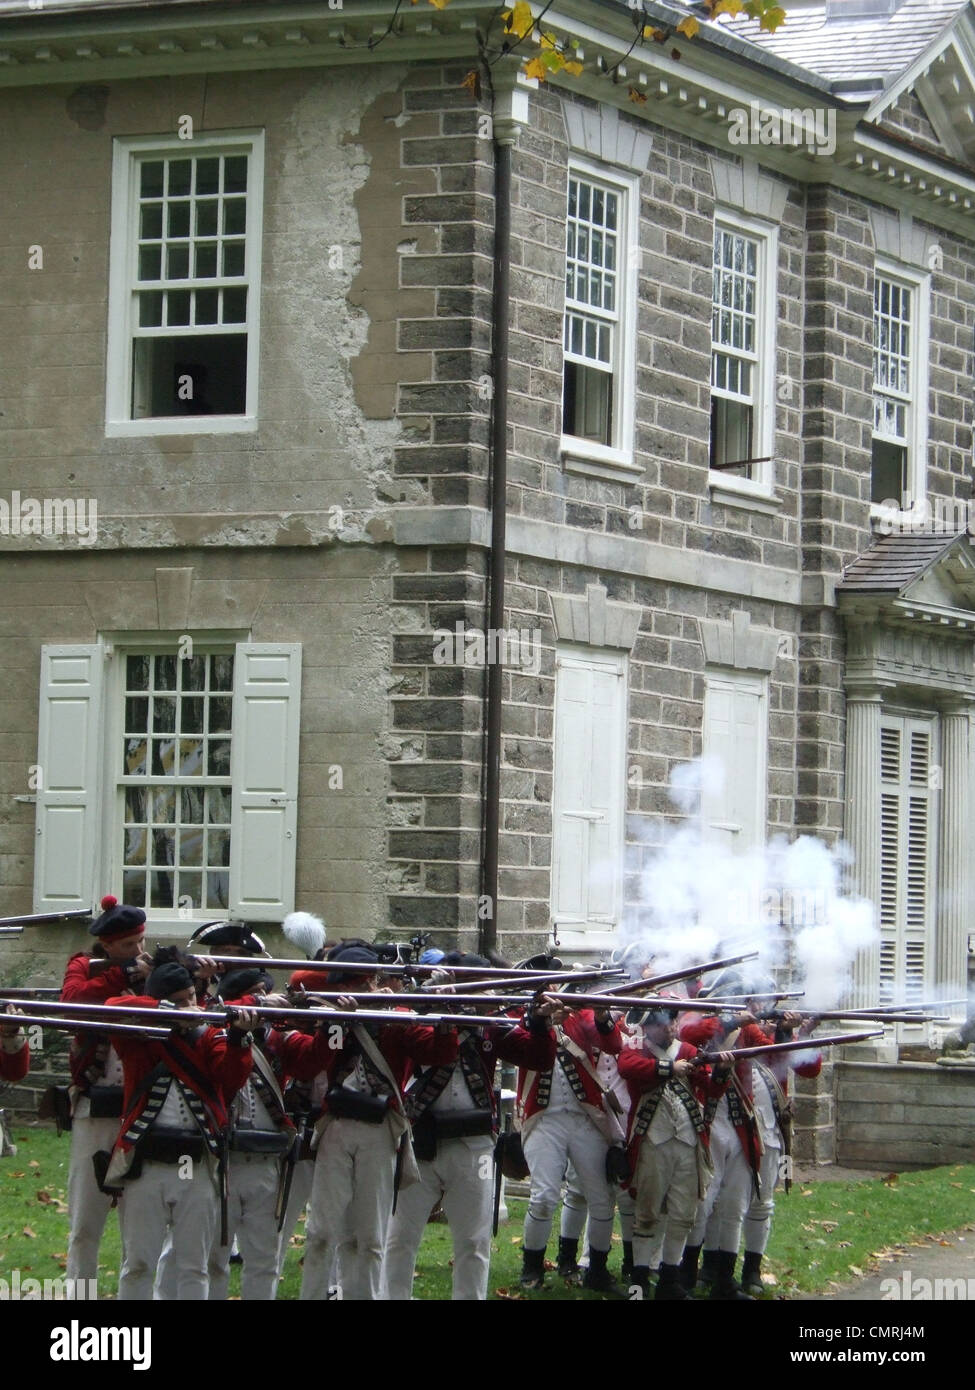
{"points": [[588, 792], [906, 859], [735, 736], [264, 776], [70, 742]]}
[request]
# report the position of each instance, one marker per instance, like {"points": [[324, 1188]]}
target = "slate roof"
{"points": [[893, 562], [852, 48]]}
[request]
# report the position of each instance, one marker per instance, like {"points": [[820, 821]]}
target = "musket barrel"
{"points": [[73, 1025], [800, 1045], [690, 972], [39, 917], [357, 968]]}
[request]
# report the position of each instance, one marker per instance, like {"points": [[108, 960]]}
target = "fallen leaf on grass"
{"points": [[806, 1192], [31, 1235], [16, 1175], [770, 1280], [843, 1244], [855, 1270], [516, 1240], [33, 1163], [507, 1293], [891, 1179], [956, 1184], [548, 1266]]}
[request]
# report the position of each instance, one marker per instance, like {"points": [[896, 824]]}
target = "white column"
{"points": [[953, 918], [862, 818]]}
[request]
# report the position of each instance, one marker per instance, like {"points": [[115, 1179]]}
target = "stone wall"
{"points": [[914, 1115]]}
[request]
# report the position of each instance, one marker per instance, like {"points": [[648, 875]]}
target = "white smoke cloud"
{"points": [[789, 901]]}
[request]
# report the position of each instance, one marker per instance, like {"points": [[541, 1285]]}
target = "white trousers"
{"points": [[252, 1195], [463, 1175], [666, 1200], [758, 1219], [554, 1141], [349, 1209], [188, 1208], [88, 1207], [719, 1220], [572, 1221]]}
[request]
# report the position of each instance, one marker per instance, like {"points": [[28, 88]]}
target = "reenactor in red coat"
{"points": [[14, 1052]]}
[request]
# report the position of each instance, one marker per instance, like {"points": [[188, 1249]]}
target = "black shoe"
{"points": [[640, 1278], [597, 1277], [568, 1266], [725, 1287], [709, 1267], [751, 1274], [669, 1287], [533, 1269], [626, 1269], [688, 1267]]}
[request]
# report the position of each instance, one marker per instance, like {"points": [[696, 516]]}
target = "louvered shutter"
{"points": [[70, 744], [264, 775], [906, 826]]}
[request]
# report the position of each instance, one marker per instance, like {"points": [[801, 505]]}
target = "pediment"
{"points": [[925, 578], [942, 79]]}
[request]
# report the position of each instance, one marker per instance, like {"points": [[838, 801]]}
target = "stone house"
{"points": [[323, 362]]}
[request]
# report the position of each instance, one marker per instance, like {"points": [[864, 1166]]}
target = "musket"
{"points": [[404, 998], [690, 973], [499, 1172], [620, 1001], [861, 1016], [11, 931], [526, 978], [797, 1045], [391, 1015], [39, 917], [74, 1025], [904, 1008], [53, 992], [351, 967], [740, 1000]]}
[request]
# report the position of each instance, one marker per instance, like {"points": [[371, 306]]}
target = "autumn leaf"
{"points": [[16, 1175], [658, 35], [473, 83], [519, 21], [637, 96], [772, 18], [44, 1197], [675, 54], [516, 1240], [855, 1270], [31, 1235], [689, 27], [731, 7], [33, 1163], [573, 68], [536, 68], [439, 4], [890, 1179], [507, 1293]]}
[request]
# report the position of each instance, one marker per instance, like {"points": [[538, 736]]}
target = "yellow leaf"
{"points": [[772, 18], [439, 4], [689, 27], [473, 82], [31, 1235], [536, 68], [731, 7], [520, 19], [637, 96], [573, 69], [658, 35]]}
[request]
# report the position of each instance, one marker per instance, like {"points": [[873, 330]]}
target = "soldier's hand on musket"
{"points": [[205, 968], [243, 1021], [277, 1001], [141, 967], [744, 1017], [790, 1021], [808, 1024], [348, 1002], [684, 1065], [10, 1030], [553, 1009]]}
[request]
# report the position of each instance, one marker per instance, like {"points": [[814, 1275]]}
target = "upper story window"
{"points": [[900, 316], [598, 372], [185, 285], [743, 352]]}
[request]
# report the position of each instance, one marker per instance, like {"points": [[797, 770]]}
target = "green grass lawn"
{"points": [[825, 1233]]}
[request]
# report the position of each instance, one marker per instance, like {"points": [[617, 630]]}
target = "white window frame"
{"points": [[593, 934], [752, 683], [919, 283], [585, 455], [128, 151], [766, 234]]}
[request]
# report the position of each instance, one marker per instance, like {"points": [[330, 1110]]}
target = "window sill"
{"points": [[744, 493], [180, 424], [585, 938], [599, 461]]}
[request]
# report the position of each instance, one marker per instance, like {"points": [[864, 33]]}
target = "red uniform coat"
{"points": [[14, 1066], [644, 1071], [86, 1058], [224, 1066], [306, 1055], [534, 1084]]}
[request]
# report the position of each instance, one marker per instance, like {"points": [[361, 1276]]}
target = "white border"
{"points": [[122, 277]]}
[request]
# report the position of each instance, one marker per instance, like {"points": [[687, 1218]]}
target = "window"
{"points": [[588, 795], [199, 755], [900, 317], [174, 790], [736, 738], [598, 370], [907, 824], [185, 280], [743, 352]]}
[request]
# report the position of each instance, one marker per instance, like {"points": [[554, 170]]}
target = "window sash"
{"points": [[595, 283], [893, 359]]}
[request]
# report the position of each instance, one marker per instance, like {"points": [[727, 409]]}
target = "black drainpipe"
{"points": [[488, 925]]}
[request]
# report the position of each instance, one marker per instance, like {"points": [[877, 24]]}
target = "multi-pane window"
{"points": [[175, 785], [184, 309], [592, 311], [735, 351], [893, 345]]}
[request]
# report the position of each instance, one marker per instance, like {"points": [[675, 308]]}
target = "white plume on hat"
{"points": [[305, 931]]}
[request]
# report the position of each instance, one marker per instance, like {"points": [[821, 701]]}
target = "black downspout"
{"points": [[488, 906]]}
